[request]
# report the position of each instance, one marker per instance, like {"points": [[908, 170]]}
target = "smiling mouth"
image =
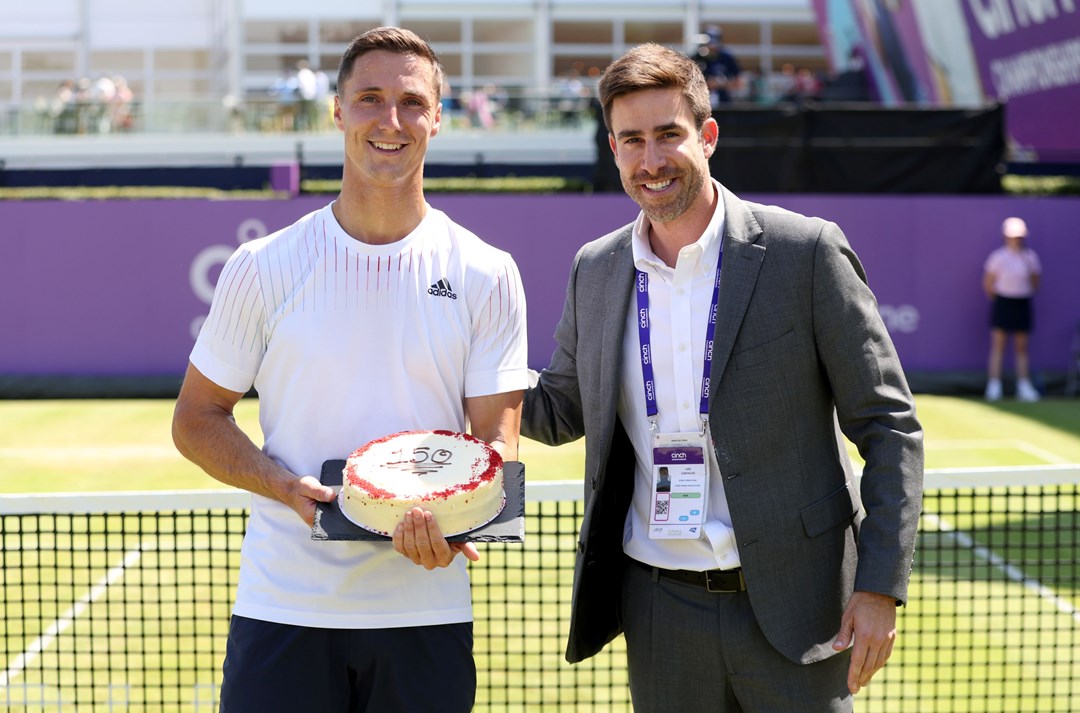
{"points": [[658, 185], [387, 147]]}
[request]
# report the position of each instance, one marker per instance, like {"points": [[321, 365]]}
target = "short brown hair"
{"points": [[653, 66], [390, 39]]}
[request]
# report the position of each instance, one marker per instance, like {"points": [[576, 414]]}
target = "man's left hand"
{"points": [[870, 619], [418, 537]]}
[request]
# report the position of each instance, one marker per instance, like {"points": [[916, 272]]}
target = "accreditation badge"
{"points": [[680, 480]]}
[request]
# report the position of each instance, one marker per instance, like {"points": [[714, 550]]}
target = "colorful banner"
{"points": [[1024, 53], [120, 288]]}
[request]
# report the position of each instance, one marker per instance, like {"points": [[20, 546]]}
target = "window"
{"points": [[582, 33], [737, 33], [116, 62], [280, 32], [795, 34], [343, 31], [181, 60], [665, 33], [436, 30], [46, 61], [502, 64], [503, 31]]}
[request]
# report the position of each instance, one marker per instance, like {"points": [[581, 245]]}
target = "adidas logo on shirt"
{"points": [[442, 288]]}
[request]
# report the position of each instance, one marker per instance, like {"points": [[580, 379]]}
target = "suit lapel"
{"points": [[742, 263], [619, 274]]}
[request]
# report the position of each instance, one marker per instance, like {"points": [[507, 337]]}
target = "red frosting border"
{"points": [[487, 470]]}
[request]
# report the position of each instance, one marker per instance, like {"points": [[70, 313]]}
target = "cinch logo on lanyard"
{"points": [[680, 474], [645, 339]]}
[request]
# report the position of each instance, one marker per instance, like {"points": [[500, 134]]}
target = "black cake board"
{"points": [[508, 525]]}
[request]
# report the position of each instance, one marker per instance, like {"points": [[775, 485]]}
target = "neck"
{"points": [[667, 239], [379, 216]]}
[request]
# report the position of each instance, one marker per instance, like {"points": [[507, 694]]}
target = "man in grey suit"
{"points": [[727, 340]]}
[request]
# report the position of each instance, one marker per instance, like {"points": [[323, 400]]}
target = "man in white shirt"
{"points": [[724, 341], [333, 320]]}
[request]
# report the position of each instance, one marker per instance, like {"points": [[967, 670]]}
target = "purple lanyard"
{"points": [[644, 339]]}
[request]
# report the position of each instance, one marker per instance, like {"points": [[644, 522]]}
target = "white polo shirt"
{"points": [[679, 301], [347, 342]]}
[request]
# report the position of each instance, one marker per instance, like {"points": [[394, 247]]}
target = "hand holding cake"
{"points": [[418, 537]]}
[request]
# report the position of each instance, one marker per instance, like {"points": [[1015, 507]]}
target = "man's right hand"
{"points": [[305, 494]]}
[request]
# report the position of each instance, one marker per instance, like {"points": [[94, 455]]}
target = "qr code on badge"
{"points": [[661, 507]]}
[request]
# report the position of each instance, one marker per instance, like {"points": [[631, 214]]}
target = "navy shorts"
{"points": [[279, 667], [1011, 314]]}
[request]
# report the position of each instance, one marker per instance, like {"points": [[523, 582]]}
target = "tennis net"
{"points": [[121, 601]]}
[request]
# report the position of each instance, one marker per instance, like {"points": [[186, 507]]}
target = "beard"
{"points": [[668, 208]]}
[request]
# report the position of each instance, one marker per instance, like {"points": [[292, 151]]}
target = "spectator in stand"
{"points": [[63, 109], [307, 91], [121, 117], [1011, 276], [807, 85], [721, 69], [781, 85]]}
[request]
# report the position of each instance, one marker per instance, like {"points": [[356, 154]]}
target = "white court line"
{"points": [[60, 625], [1014, 573], [999, 445], [1046, 455], [89, 452]]}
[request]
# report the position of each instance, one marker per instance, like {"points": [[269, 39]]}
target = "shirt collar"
{"points": [[704, 251]]}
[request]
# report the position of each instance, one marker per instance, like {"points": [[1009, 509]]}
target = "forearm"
{"points": [[209, 437], [497, 420]]}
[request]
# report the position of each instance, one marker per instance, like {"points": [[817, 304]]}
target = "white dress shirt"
{"points": [[679, 301]]}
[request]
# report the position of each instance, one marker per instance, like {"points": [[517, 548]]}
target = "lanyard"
{"points": [[645, 352]]}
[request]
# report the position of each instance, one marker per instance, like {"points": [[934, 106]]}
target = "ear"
{"points": [[710, 134], [614, 149], [436, 121], [338, 122]]}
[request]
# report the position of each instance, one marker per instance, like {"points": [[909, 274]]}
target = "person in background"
{"points": [[722, 71], [724, 341], [333, 320], [1010, 278]]}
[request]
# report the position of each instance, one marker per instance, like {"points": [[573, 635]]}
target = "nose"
{"points": [[389, 117], [652, 158]]}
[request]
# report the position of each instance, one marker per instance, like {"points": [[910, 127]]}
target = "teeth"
{"points": [[386, 147], [658, 186]]}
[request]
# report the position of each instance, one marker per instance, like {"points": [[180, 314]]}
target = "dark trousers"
{"points": [[278, 667], [689, 649]]}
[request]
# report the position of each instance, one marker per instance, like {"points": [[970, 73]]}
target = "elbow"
{"points": [[178, 434]]}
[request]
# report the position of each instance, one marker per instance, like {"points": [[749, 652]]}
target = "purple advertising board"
{"points": [[120, 288], [1025, 53]]}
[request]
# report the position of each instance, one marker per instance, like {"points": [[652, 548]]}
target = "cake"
{"points": [[455, 476]]}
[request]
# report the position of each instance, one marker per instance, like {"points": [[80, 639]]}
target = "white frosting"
{"points": [[457, 477]]}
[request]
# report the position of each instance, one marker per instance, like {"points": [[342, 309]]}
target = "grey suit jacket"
{"points": [[799, 347]]}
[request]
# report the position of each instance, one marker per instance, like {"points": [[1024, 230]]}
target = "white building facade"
{"points": [[204, 50]]}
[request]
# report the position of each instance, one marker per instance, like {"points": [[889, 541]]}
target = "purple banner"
{"points": [[1025, 53], [121, 288]]}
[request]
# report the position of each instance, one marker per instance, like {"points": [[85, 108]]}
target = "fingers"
{"points": [[305, 494], [418, 538], [468, 549], [315, 490], [870, 619], [867, 660]]}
